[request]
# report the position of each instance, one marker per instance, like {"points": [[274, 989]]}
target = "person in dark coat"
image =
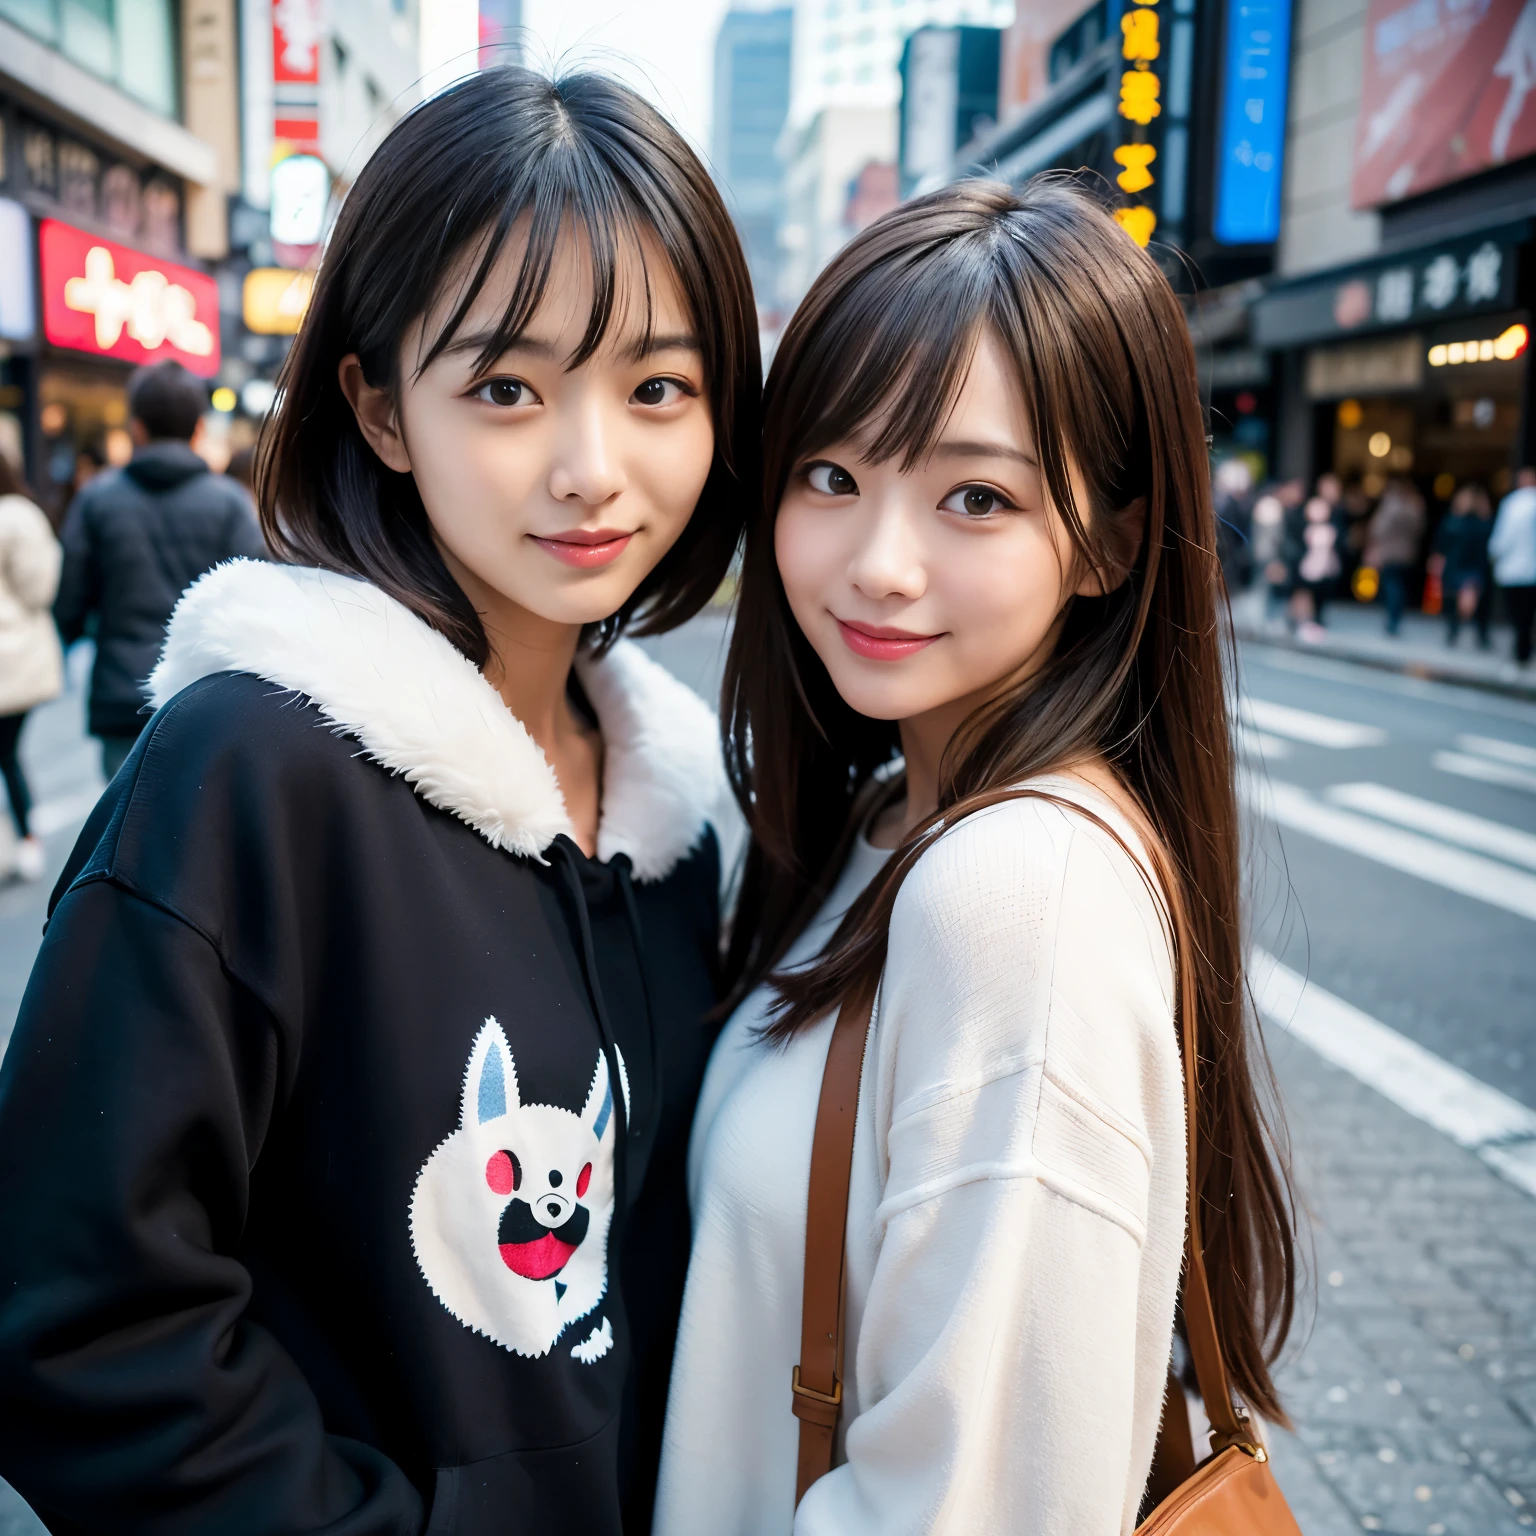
{"points": [[135, 539], [1461, 552]]}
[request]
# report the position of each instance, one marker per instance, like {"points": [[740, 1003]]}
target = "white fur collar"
{"points": [[422, 709]]}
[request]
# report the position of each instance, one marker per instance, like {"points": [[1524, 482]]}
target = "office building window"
{"points": [[131, 43]]}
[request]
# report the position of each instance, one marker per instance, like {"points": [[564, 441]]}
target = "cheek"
{"points": [[1001, 595], [805, 549]]}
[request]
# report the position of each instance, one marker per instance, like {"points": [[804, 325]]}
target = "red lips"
{"points": [[586, 549], [878, 642]]}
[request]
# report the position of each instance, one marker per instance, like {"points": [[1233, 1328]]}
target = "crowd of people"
{"points": [[1307, 551]]}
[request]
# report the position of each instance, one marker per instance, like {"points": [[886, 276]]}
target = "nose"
{"points": [[888, 561], [587, 469], [551, 1210]]}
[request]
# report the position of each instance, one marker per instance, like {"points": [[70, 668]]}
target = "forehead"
{"points": [[627, 274]]}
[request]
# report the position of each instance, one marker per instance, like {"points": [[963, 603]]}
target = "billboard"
{"points": [[105, 298], [1250, 155], [1449, 89]]}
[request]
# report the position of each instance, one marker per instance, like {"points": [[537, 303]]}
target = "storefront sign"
{"points": [[18, 303], [108, 299], [1252, 145], [1140, 104], [1391, 366], [274, 300], [296, 36], [1449, 89], [1509, 344], [301, 191], [1465, 277]]}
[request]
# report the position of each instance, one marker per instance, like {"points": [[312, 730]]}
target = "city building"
{"points": [[137, 149], [119, 143], [949, 85], [751, 101], [1398, 321], [844, 114]]}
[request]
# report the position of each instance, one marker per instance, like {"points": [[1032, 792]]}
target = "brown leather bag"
{"points": [[1233, 1492]]}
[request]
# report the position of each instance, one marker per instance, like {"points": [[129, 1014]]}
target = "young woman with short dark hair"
{"points": [[977, 721], [342, 1130]]}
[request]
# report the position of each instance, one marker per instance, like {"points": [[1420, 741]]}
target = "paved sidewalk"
{"points": [[1414, 1389], [1357, 632]]}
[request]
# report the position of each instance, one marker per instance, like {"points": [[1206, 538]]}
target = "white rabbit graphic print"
{"points": [[510, 1214]]}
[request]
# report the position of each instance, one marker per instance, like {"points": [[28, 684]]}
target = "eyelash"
{"points": [[482, 390], [1003, 502]]}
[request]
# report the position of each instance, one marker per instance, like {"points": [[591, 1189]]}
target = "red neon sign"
{"points": [[296, 36], [105, 298]]}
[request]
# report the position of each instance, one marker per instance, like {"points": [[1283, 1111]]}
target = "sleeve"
{"points": [[33, 558], [997, 1359], [79, 579], [135, 1395], [1499, 538]]}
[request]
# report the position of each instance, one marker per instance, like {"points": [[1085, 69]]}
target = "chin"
{"points": [[890, 697]]}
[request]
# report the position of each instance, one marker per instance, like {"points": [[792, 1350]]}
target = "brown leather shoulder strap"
{"points": [[818, 1379]]}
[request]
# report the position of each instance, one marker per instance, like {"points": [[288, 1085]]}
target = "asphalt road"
{"points": [[1392, 856]]}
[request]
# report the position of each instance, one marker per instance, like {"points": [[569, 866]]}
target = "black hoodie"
{"points": [[312, 1121]]}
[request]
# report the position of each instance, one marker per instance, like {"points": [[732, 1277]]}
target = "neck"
{"points": [[530, 660]]}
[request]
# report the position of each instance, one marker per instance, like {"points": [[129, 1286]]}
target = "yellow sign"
{"points": [[1137, 222], [1139, 90], [1135, 158], [275, 299], [1503, 348], [1140, 30]]}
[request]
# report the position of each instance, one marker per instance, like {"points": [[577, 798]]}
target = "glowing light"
{"points": [[1135, 158], [1365, 583], [1379, 444], [224, 399], [1140, 32], [1137, 222], [1503, 348], [1139, 91], [1350, 414]]}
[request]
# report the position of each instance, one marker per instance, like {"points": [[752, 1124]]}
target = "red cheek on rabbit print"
{"points": [[503, 1172]]}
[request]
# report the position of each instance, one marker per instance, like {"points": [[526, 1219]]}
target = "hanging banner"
{"points": [[296, 37], [1448, 90], [106, 298]]}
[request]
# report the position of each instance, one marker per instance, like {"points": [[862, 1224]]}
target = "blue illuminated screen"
{"points": [[1252, 145]]}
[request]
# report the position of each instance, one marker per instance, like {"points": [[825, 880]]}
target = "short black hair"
{"points": [[443, 192], [167, 400]]}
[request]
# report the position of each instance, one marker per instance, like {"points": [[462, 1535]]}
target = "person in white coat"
{"points": [[1512, 549], [31, 660], [978, 725]]}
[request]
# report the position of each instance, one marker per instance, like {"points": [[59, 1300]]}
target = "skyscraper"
{"points": [[752, 54]]}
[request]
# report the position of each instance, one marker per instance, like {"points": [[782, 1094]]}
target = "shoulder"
{"points": [[230, 771], [21, 515], [1032, 913]]}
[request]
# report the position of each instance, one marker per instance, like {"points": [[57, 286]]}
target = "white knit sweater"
{"points": [[1015, 1219]]}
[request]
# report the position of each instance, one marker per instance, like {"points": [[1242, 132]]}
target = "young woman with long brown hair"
{"points": [[987, 547]]}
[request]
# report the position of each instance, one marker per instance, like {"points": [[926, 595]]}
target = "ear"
{"points": [[1125, 535], [377, 418], [490, 1080], [597, 1112]]}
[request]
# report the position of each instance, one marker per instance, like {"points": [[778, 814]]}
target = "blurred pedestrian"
{"points": [[1317, 569], [136, 538], [1270, 518], [1461, 561], [31, 662], [1233, 487], [1513, 548], [242, 467], [1393, 540]]}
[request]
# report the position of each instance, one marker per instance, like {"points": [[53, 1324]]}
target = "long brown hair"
{"points": [[880, 347], [430, 213]]}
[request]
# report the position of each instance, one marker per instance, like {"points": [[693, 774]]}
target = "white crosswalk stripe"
{"points": [[1468, 874], [1451, 826], [1502, 751], [1485, 770], [1303, 725], [1501, 1130]]}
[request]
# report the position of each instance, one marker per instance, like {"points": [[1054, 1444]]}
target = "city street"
{"points": [[1393, 859]]}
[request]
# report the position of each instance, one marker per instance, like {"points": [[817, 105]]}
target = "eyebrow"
{"points": [[637, 351], [978, 450]]}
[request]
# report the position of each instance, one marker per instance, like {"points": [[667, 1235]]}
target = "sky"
{"points": [[665, 48]]}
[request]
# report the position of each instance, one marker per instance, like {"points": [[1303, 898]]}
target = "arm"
{"points": [[1002, 1365], [79, 580], [33, 557], [134, 1395]]}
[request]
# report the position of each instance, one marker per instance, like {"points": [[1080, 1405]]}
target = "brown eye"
{"points": [[505, 392], [831, 480], [657, 392], [975, 501]]}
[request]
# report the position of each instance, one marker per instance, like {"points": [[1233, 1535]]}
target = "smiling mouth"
{"points": [[586, 550], [877, 642]]}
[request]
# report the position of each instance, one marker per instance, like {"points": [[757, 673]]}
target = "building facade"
{"points": [[751, 102]]}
